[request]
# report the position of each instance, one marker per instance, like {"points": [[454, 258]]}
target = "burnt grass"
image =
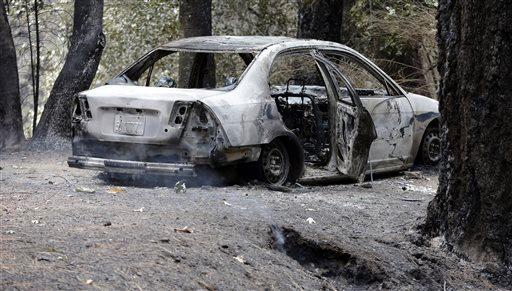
{"points": [[143, 235]]}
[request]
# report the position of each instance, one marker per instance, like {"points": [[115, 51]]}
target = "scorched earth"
{"points": [[63, 228]]}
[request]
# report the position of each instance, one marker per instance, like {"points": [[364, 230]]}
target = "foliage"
{"points": [[255, 17], [55, 18], [399, 35], [133, 28], [382, 29]]}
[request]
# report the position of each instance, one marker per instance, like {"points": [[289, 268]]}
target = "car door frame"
{"points": [[396, 163], [351, 155]]}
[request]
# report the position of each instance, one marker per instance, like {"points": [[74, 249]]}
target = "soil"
{"points": [[145, 235]]}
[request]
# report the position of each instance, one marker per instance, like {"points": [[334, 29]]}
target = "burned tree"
{"points": [[321, 19], [473, 206], [87, 43], [11, 126], [195, 18]]}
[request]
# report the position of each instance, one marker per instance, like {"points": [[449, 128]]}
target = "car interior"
{"points": [[299, 91]]}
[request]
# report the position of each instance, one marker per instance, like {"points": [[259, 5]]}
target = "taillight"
{"points": [[179, 113], [82, 108]]}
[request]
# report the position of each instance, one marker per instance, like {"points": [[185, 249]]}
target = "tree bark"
{"points": [[195, 18], [320, 19], [11, 125], [38, 64], [77, 74], [473, 206]]}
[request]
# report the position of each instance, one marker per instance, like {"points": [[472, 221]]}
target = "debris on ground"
{"points": [[278, 188], [115, 190], [84, 189], [414, 188], [414, 175], [206, 286], [411, 199], [185, 229], [88, 281], [180, 187], [241, 259], [310, 220], [365, 185]]}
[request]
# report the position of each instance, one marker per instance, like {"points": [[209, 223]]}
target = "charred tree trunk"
{"points": [[195, 17], [320, 19], [32, 67], [38, 64], [11, 125], [87, 43], [473, 206]]}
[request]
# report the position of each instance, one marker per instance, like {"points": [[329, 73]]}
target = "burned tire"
{"points": [[273, 166], [430, 150]]}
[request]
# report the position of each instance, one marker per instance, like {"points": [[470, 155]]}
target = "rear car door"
{"points": [[354, 130]]}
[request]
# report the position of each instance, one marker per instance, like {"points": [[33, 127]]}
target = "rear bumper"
{"points": [[132, 167]]}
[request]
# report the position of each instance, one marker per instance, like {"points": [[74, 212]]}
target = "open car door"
{"points": [[354, 130]]}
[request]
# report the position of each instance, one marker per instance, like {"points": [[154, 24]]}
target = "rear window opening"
{"points": [[171, 69]]}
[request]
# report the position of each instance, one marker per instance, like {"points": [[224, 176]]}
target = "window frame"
{"points": [[372, 69]]}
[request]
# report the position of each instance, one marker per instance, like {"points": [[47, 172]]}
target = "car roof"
{"points": [[238, 44]]}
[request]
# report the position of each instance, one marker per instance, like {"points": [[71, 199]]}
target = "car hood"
{"points": [[422, 104]]}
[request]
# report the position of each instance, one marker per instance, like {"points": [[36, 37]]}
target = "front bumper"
{"points": [[132, 167]]}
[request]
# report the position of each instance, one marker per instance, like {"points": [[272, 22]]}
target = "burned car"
{"points": [[272, 106]]}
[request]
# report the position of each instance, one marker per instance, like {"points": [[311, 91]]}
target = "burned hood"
{"points": [[422, 104]]}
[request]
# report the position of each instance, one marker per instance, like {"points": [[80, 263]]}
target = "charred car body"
{"points": [[274, 104]]}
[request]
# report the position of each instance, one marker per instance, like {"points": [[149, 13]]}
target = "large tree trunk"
{"points": [[87, 43], [320, 19], [195, 17], [11, 125], [473, 206]]}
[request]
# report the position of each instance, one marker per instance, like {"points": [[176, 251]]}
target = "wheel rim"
{"points": [[274, 166], [433, 147]]}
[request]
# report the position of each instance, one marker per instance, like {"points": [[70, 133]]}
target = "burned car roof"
{"points": [[239, 44]]}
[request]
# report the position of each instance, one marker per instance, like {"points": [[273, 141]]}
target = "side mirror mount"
{"points": [[230, 81], [166, 81]]}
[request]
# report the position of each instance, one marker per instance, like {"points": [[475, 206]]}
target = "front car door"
{"points": [[354, 130], [390, 110]]}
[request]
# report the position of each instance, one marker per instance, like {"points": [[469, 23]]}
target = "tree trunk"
{"points": [[11, 125], [320, 19], [195, 17], [38, 63], [473, 206], [87, 43]]}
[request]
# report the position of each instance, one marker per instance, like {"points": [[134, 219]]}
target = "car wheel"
{"points": [[431, 147], [274, 164]]}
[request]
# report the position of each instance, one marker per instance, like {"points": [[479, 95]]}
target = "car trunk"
{"points": [[134, 114]]}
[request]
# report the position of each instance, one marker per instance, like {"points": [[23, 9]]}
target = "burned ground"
{"points": [[234, 237]]}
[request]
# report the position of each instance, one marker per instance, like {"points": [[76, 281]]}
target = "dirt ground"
{"points": [[147, 236]]}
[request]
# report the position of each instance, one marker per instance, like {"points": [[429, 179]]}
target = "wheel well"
{"points": [[296, 155], [434, 123]]}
